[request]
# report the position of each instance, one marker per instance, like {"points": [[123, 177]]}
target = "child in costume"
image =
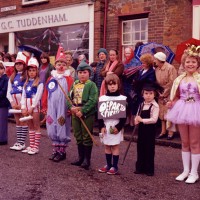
{"points": [[111, 129], [30, 105], [185, 108], [54, 105], [84, 95], [4, 104], [14, 95], [146, 119]]}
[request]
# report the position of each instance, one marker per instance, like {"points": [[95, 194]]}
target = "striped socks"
{"points": [[32, 138], [37, 140]]}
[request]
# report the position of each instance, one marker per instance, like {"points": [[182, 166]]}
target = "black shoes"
{"points": [[53, 155], [57, 156], [170, 137], [60, 156], [161, 136], [77, 163]]}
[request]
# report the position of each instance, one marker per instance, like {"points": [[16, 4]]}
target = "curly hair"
{"points": [[148, 59]]}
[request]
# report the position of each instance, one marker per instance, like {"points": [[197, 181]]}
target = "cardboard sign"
{"points": [[113, 109]]}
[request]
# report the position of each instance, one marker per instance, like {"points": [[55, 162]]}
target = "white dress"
{"points": [[108, 138]]}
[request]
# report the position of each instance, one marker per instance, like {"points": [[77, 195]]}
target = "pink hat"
{"points": [[33, 63], [21, 58]]}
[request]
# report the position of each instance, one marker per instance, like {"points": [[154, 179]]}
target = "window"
{"points": [[134, 31], [28, 2], [72, 37]]}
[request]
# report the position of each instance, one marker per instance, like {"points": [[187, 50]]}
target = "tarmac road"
{"points": [[34, 177]]}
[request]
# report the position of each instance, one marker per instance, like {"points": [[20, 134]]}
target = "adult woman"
{"points": [[102, 55], [129, 63], [185, 108], [165, 75], [145, 75], [114, 65]]}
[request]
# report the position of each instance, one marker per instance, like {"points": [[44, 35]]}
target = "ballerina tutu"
{"points": [[187, 109]]}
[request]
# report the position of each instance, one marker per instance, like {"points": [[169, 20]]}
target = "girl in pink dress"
{"points": [[184, 111]]}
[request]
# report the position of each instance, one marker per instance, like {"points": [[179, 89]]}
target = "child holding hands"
{"points": [[111, 129], [30, 105]]}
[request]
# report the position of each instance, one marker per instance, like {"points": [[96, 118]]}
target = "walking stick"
{"points": [[85, 126], [132, 135]]}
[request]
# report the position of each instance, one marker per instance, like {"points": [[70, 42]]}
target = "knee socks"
{"points": [[109, 160], [37, 140], [32, 138], [115, 161], [18, 132], [24, 131]]}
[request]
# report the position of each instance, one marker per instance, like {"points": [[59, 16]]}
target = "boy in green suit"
{"points": [[84, 95]]}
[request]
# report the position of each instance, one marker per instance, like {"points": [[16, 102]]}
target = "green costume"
{"points": [[85, 96]]}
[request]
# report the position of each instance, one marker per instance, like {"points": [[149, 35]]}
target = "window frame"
{"points": [[131, 16], [132, 31], [30, 2]]}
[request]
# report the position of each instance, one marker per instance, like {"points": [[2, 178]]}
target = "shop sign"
{"points": [[50, 18]]}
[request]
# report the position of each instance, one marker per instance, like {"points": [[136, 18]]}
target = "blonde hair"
{"points": [[148, 59], [36, 80]]}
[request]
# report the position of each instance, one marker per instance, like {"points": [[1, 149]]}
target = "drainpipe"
{"points": [[105, 24]]}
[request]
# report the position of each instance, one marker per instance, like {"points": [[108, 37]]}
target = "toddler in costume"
{"points": [[147, 117], [30, 105], [84, 96], [112, 128], [54, 105], [184, 111], [14, 95]]}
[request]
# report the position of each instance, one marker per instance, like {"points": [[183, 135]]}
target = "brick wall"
{"points": [[170, 21]]}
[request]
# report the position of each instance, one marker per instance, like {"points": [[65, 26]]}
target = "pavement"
{"points": [[175, 143]]}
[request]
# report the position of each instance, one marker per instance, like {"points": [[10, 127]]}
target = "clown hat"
{"points": [[60, 56], [33, 63], [21, 58]]}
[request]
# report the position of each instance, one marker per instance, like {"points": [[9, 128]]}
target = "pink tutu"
{"points": [[185, 113], [187, 109]]}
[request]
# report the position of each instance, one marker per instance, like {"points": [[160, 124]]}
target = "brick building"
{"points": [[86, 25]]}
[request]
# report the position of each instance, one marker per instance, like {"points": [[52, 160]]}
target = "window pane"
{"points": [[143, 35], [143, 25], [126, 38], [136, 36], [126, 27], [136, 25]]}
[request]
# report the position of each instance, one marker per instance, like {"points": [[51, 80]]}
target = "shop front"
{"points": [[71, 26]]}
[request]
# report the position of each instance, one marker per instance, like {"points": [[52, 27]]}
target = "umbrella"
{"points": [[34, 50], [151, 48], [182, 46]]}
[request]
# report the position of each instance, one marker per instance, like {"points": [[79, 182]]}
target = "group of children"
{"points": [[26, 92]]}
